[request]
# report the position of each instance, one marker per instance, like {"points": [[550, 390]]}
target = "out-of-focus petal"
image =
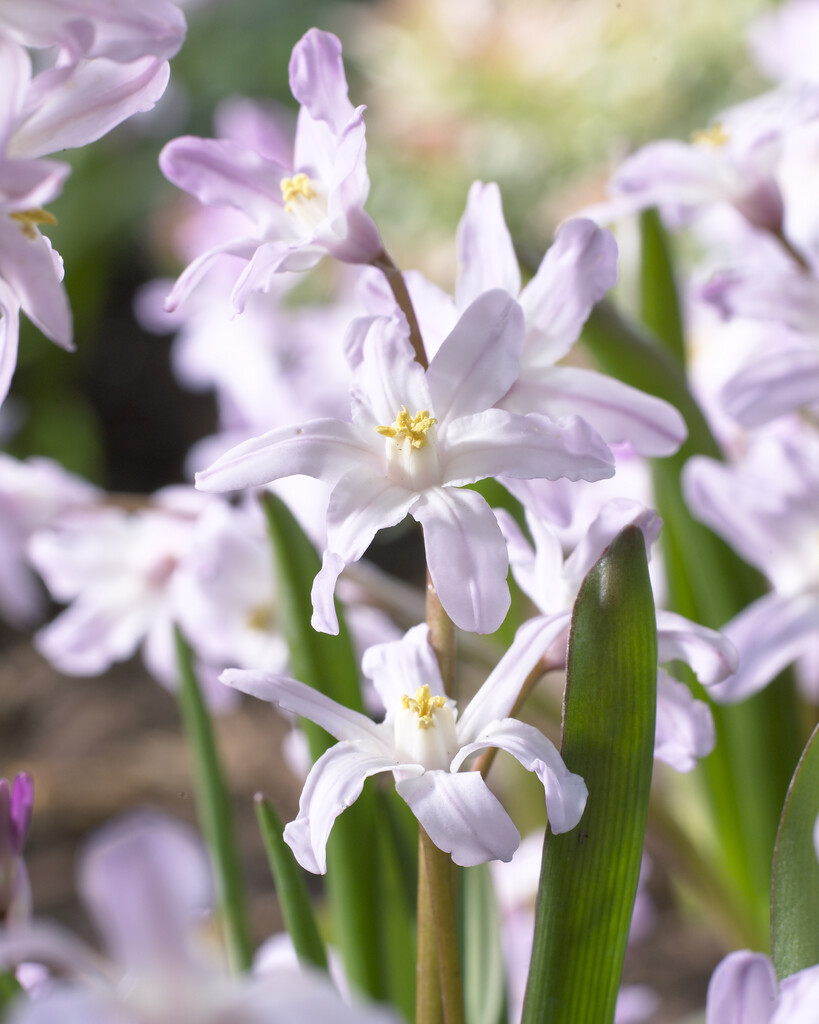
{"points": [[32, 270], [9, 337], [776, 383], [317, 78], [335, 781], [486, 255], [466, 557], [461, 816], [685, 726], [742, 990], [566, 793], [798, 998]]}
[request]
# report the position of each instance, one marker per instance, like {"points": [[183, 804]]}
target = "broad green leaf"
{"points": [[589, 876], [660, 303], [329, 664], [214, 808], [291, 888], [795, 884], [479, 928]]}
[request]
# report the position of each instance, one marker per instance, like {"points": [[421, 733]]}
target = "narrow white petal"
{"points": [[685, 726], [486, 253], [711, 655], [742, 990]]}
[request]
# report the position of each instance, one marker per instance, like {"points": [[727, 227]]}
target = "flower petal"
{"points": [[33, 271], [615, 410], [710, 654], [466, 557], [742, 990], [566, 792], [318, 81], [324, 449], [497, 442], [685, 726], [776, 383], [300, 699], [9, 337], [335, 781], [479, 360], [497, 696], [461, 815], [486, 255], [361, 504], [401, 666]]}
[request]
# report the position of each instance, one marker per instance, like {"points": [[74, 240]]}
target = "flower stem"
{"points": [[395, 280], [439, 989], [441, 637]]}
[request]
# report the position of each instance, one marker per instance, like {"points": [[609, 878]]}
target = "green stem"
{"points": [[214, 809], [439, 986]]}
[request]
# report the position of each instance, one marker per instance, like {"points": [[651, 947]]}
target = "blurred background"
{"points": [[543, 96]]}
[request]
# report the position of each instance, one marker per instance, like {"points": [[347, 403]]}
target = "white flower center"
{"points": [[412, 450], [305, 199], [425, 730]]}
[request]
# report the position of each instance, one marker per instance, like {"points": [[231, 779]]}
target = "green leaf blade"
{"points": [[589, 875]]}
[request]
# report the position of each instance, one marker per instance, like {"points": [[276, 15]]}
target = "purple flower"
{"points": [[16, 802], [416, 438], [298, 205], [743, 990], [424, 742]]}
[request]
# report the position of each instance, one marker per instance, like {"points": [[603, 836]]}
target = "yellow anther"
{"points": [[29, 219], [715, 136], [423, 704], [410, 428], [295, 188], [262, 618]]}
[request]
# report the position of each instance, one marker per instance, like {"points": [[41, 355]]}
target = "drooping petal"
{"points": [[318, 81], [325, 449], [299, 699], [197, 268], [466, 557], [710, 654], [146, 879], [685, 726], [769, 635], [617, 411], [575, 274], [497, 696], [267, 261], [322, 594], [461, 815], [28, 184], [401, 666], [479, 360], [742, 990], [486, 255], [68, 107], [335, 781], [496, 442], [566, 793], [361, 504], [32, 270]]}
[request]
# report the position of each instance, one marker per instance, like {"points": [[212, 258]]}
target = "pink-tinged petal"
{"points": [[497, 696], [90, 635], [781, 297], [15, 77], [466, 557], [461, 815], [27, 184], [388, 377], [501, 443], [610, 520], [224, 172], [769, 635], [70, 107], [325, 449], [269, 259], [361, 504], [773, 385], [742, 990], [322, 594], [9, 337], [401, 666], [798, 998], [522, 554], [576, 272], [486, 255], [146, 879], [615, 410], [299, 699], [566, 793], [335, 781], [711, 655], [317, 78], [31, 269], [685, 726], [190, 277], [675, 172], [480, 359]]}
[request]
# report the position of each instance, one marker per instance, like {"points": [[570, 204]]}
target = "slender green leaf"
{"points": [[214, 808], [660, 303], [10, 990], [795, 884], [291, 888], [481, 951], [589, 875], [329, 664]]}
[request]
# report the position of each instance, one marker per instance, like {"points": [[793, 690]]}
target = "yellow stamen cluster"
{"points": [[295, 188], [29, 219], [423, 704], [715, 136], [262, 618], [410, 428]]}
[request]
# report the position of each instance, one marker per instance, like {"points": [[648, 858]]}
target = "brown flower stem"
{"points": [[395, 279], [439, 989]]}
